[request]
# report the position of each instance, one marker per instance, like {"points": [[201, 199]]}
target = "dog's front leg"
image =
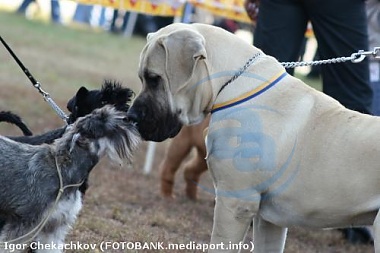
{"points": [[268, 238], [232, 217]]}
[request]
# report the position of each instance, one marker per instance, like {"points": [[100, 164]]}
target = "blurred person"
{"points": [[114, 28], [83, 13], [373, 16], [280, 30], [92, 15], [24, 5], [144, 24], [340, 28], [55, 9], [227, 24]]}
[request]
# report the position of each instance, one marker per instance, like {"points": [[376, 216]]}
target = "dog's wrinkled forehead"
{"points": [[172, 53]]}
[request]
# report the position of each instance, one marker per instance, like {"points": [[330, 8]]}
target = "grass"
{"points": [[121, 205]]}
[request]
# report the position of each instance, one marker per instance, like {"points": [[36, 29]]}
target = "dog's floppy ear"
{"points": [[150, 36], [184, 49]]}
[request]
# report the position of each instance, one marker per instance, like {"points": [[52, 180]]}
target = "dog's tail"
{"points": [[12, 118]]}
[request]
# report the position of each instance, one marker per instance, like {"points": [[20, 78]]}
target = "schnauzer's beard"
{"points": [[119, 147]]}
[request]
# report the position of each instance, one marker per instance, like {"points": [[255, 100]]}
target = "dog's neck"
{"points": [[76, 162], [225, 58], [255, 80]]}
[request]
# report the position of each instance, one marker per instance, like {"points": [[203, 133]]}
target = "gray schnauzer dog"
{"points": [[32, 177]]}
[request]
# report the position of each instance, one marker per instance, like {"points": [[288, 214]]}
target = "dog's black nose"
{"points": [[132, 115]]}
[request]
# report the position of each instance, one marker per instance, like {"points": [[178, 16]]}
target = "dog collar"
{"points": [[251, 94], [241, 71]]}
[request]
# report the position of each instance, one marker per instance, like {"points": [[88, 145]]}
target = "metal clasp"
{"points": [[37, 85], [361, 55], [376, 52]]}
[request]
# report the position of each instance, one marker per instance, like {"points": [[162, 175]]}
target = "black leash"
{"points": [[36, 84]]}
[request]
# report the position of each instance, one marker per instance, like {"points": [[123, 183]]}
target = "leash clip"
{"points": [[37, 85], [51, 102], [361, 55], [376, 52]]}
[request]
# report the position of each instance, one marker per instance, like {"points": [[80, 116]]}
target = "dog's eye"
{"points": [[152, 80]]}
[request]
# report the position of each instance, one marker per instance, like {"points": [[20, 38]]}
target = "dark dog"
{"points": [[31, 188], [83, 103], [12, 118]]}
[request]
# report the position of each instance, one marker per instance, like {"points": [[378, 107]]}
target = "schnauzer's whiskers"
{"points": [[116, 153], [117, 147]]}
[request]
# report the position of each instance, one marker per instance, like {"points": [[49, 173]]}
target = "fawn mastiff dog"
{"points": [[279, 152]]}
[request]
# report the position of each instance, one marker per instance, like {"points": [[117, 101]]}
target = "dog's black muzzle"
{"points": [[154, 123]]}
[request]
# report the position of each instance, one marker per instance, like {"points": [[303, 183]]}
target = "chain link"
{"points": [[241, 71], [355, 58]]}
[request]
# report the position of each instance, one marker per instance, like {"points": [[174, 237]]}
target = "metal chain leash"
{"points": [[241, 71], [355, 58]]}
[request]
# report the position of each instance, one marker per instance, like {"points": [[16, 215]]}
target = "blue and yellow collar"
{"points": [[251, 94]]}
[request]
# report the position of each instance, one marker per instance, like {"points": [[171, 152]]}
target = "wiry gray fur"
{"points": [[29, 180]]}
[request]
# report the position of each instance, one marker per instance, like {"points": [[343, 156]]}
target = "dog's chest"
{"points": [[247, 137], [251, 152], [66, 211]]}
